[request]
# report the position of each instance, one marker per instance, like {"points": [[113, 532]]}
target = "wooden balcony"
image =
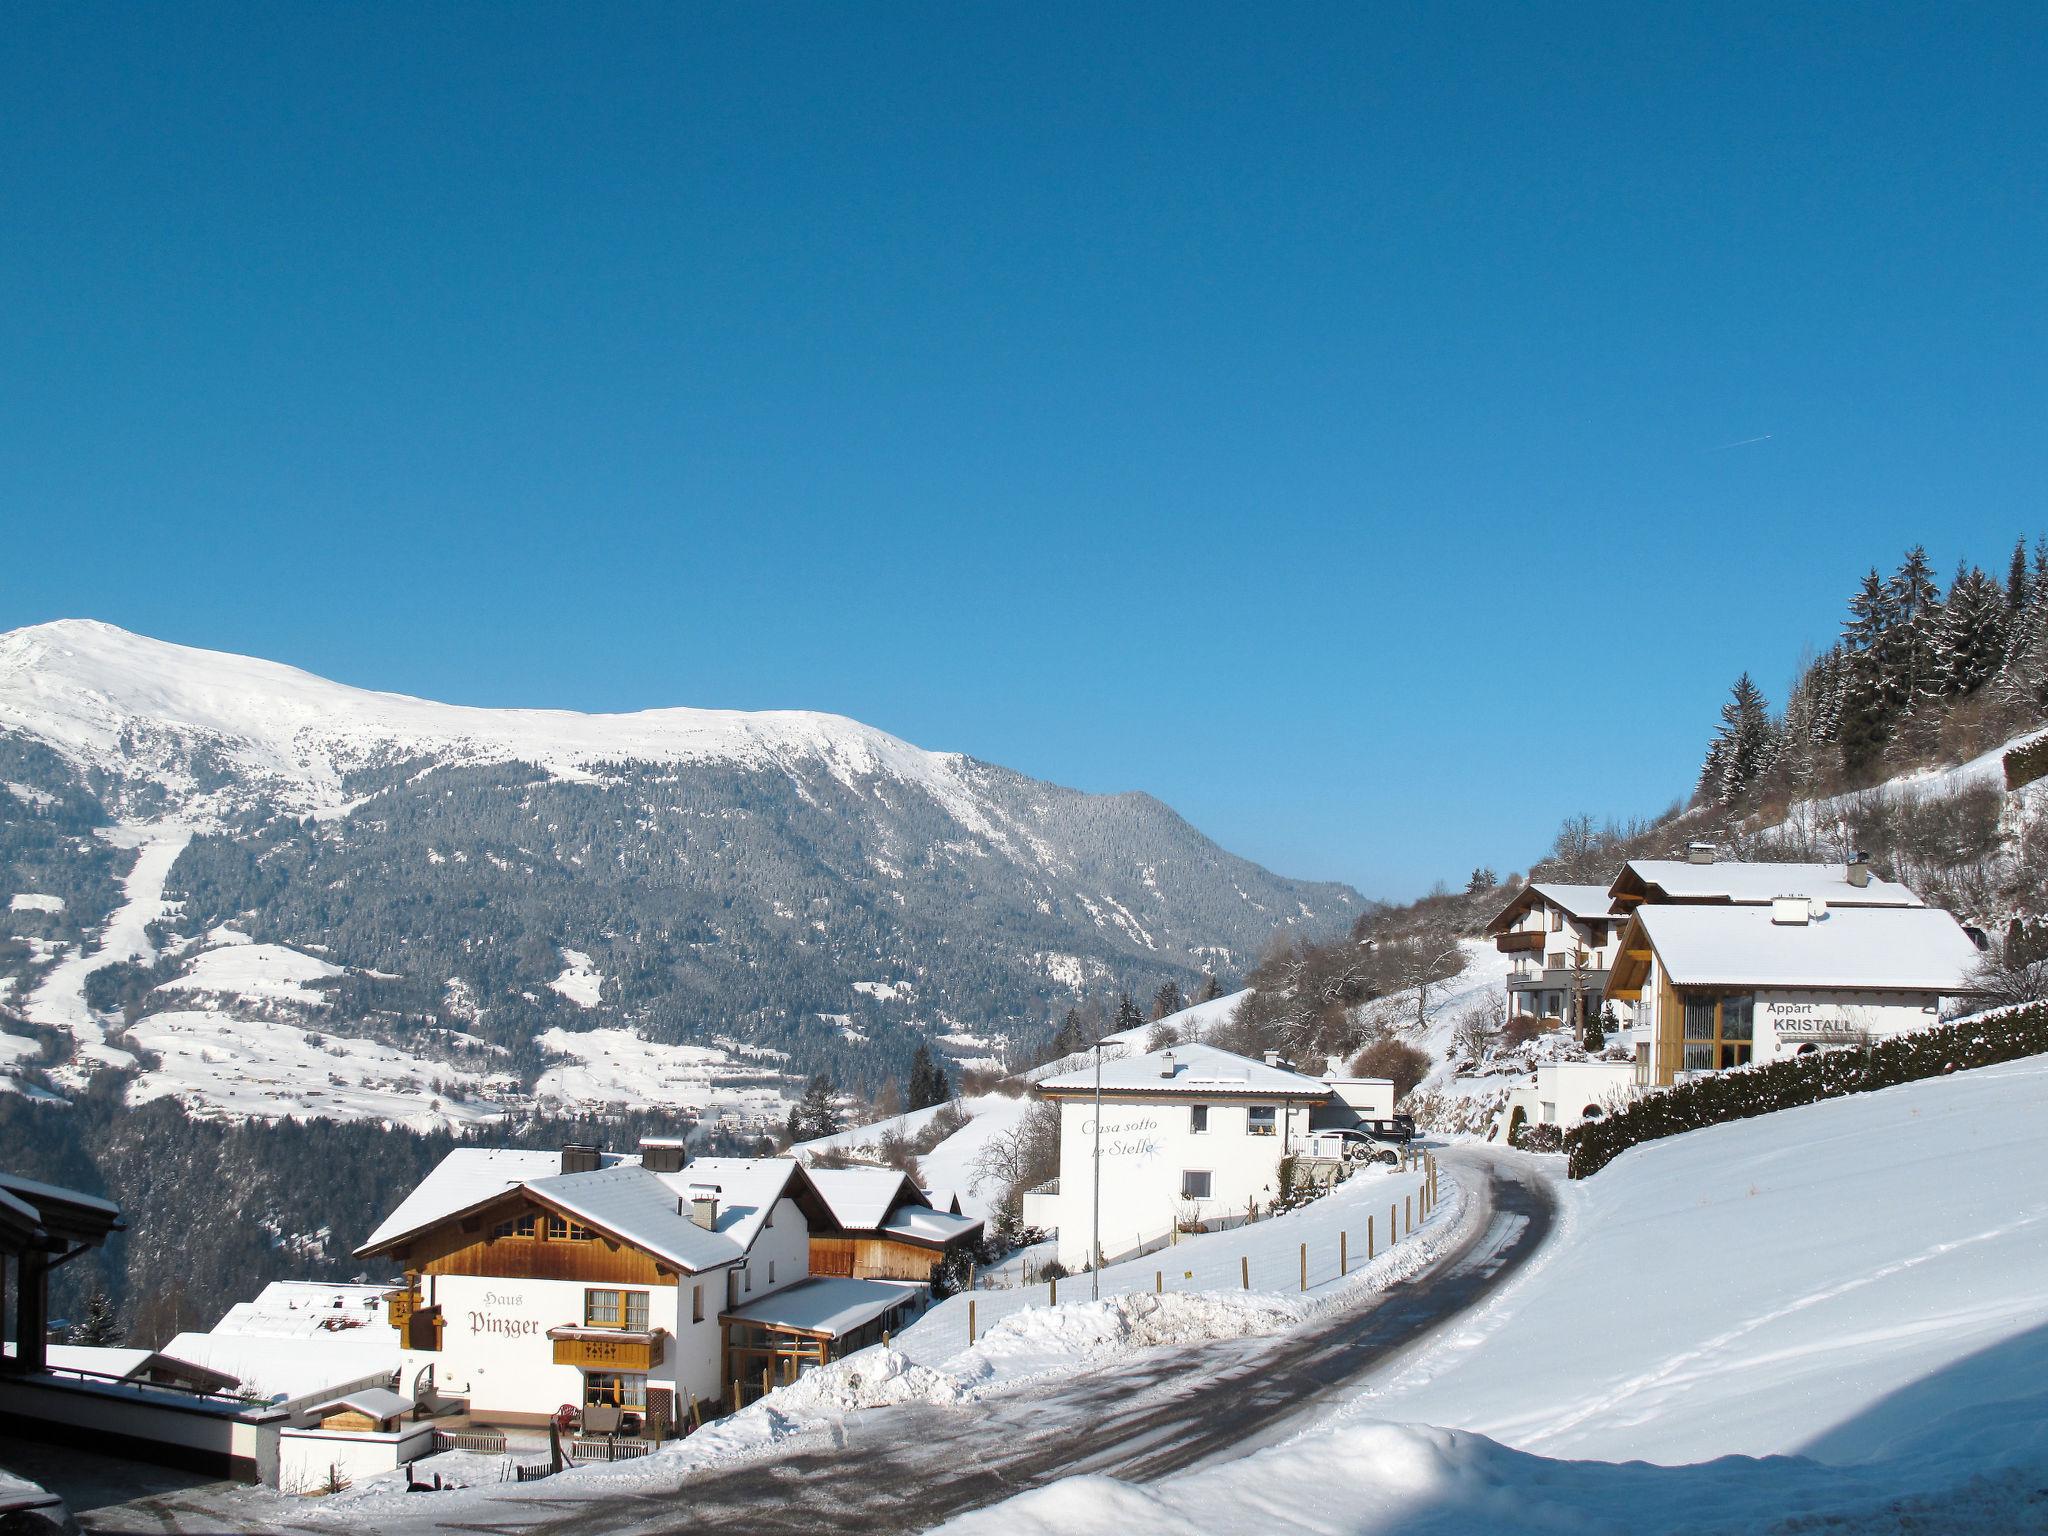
{"points": [[1521, 941], [609, 1349], [399, 1307]]}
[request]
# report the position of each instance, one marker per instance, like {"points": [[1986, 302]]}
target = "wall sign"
{"points": [[1126, 1138], [491, 1322]]}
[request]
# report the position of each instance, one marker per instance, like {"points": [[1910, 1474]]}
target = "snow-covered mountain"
{"points": [[784, 881]]}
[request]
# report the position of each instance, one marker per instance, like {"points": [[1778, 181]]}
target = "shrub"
{"points": [[1978, 1042], [1395, 1059], [1541, 1138]]}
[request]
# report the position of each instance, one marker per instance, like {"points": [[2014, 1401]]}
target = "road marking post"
{"points": [[970, 1320], [1343, 1253], [1244, 1271], [1368, 1239], [1304, 1266]]}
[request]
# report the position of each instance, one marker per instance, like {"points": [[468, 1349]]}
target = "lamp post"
{"points": [[1095, 1212]]}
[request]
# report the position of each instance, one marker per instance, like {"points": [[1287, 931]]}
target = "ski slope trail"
{"points": [[909, 1468], [59, 1001]]}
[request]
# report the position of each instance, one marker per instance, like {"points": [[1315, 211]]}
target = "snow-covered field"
{"points": [[256, 973], [615, 1066], [217, 1064], [949, 1167], [1852, 1289]]}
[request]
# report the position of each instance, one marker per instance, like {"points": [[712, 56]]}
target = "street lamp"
{"points": [[1095, 1214]]}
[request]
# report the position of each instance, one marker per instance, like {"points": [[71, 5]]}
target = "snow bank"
{"points": [[1850, 1291]]}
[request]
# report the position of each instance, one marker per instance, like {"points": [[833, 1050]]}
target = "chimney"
{"points": [[1859, 870], [663, 1154], [1790, 911], [1275, 1059], [1166, 1065], [1699, 853], [704, 1206], [582, 1157]]}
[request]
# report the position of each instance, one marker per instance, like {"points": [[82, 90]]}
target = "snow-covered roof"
{"points": [[641, 1208], [861, 1198], [374, 1402], [1196, 1069], [1587, 903], [1741, 881], [922, 1224], [94, 1359], [825, 1305], [1916, 949], [649, 1210], [37, 1193], [271, 1366]]}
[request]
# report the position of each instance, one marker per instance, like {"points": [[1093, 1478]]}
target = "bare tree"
{"points": [[2005, 977]]}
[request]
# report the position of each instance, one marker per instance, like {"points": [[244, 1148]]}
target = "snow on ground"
{"points": [[28, 901], [256, 973], [1020, 1347], [59, 1001], [1851, 1289], [580, 981], [1209, 1262], [218, 1065], [616, 1066]]}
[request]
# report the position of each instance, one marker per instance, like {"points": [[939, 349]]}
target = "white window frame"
{"points": [[1208, 1179]]}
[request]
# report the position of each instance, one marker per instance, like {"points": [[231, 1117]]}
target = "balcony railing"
{"points": [[609, 1349], [1520, 941]]}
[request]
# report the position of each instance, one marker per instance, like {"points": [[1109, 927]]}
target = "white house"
{"points": [[1702, 876], [1186, 1135], [1561, 940], [1566, 1094], [590, 1279], [1719, 985]]}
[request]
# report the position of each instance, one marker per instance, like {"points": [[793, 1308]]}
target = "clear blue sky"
{"points": [[1312, 415]]}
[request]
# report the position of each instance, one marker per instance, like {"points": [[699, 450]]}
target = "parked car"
{"points": [[1399, 1130], [1351, 1146]]}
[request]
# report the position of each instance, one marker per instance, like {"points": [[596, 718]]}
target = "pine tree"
{"points": [[1912, 658], [1167, 1000], [1744, 748], [2016, 578], [2023, 681], [101, 1328], [815, 1114], [929, 1084], [1863, 724], [1070, 1036], [1127, 1014], [1972, 639], [1211, 988]]}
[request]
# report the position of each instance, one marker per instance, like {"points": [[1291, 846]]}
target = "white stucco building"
{"points": [[1560, 940], [1189, 1134], [1722, 985]]}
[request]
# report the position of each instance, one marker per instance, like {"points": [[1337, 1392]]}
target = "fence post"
{"points": [[970, 1320], [1053, 1299], [1244, 1271], [1158, 1282], [736, 1403], [1343, 1253], [1304, 1266], [1408, 1207], [696, 1412], [767, 1382], [1368, 1239]]}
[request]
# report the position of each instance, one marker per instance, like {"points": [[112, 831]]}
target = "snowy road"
{"points": [[909, 1468]]}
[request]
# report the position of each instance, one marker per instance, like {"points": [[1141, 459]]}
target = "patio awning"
{"points": [[823, 1307]]}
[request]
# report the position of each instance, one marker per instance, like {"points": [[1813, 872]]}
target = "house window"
{"points": [[697, 1303], [618, 1389], [1720, 1032], [1259, 1120], [518, 1226], [1194, 1184], [1198, 1119], [615, 1309], [771, 1271]]}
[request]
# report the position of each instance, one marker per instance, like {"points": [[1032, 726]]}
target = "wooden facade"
{"points": [[867, 1256], [628, 1352], [468, 1245]]}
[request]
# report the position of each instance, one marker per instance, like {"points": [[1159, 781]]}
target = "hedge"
{"points": [[1979, 1042]]}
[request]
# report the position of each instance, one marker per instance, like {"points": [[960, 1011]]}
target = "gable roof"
{"points": [[373, 1402], [861, 1198], [1587, 903], [1751, 882], [620, 1198], [922, 1224], [51, 1215], [1879, 949], [1199, 1070]]}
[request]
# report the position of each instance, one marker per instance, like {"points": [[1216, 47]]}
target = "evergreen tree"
{"points": [[101, 1328], [815, 1114], [2023, 680], [2016, 578], [1167, 1000], [1744, 748], [1913, 673], [929, 1084], [1973, 625], [1863, 724], [1127, 1014], [1070, 1036], [1211, 988]]}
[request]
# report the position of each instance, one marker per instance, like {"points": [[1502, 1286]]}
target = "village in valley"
{"points": [[1136, 770]]}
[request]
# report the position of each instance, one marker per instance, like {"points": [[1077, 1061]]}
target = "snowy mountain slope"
{"points": [[1850, 1288], [788, 881]]}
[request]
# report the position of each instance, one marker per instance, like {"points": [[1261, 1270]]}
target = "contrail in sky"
{"points": [[1743, 444]]}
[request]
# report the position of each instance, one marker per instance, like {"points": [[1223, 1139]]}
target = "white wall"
{"points": [[1787, 1020], [1146, 1146], [305, 1455]]}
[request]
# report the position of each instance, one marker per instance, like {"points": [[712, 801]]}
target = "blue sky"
{"points": [[1312, 415]]}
